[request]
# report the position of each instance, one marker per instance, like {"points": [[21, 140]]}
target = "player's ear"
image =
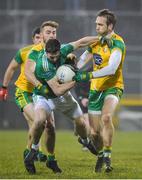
{"points": [[110, 27]]}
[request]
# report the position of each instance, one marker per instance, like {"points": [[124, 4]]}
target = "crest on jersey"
{"points": [[97, 59]]}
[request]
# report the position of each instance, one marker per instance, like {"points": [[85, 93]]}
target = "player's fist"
{"points": [[41, 89], [3, 93], [105, 40], [82, 76]]}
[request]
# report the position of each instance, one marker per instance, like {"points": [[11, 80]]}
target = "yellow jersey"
{"points": [[20, 58], [35, 51], [104, 52]]}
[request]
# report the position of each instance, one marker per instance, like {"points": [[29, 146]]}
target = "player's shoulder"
{"points": [[26, 48], [117, 37], [118, 42], [38, 47]]}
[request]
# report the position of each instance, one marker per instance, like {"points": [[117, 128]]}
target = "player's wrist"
{"points": [[38, 84], [4, 87]]}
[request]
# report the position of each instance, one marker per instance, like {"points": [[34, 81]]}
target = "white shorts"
{"points": [[42, 102], [66, 104]]}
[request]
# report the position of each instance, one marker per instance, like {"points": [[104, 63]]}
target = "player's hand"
{"points": [[83, 76], [71, 59], [108, 41], [41, 89], [3, 93]]}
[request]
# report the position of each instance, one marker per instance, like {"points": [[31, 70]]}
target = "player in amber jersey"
{"points": [[23, 94], [106, 85]]}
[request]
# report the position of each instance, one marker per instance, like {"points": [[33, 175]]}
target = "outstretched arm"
{"points": [[13, 66], [83, 42], [110, 69], [84, 59], [7, 78]]}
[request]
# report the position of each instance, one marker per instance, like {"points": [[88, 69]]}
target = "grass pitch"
{"points": [[76, 164]]}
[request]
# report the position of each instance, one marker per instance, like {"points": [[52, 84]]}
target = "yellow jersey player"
{"points": [[106, 85], [23, 94]]}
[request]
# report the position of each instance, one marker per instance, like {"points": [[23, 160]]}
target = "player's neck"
{"points": [[109, 35]]}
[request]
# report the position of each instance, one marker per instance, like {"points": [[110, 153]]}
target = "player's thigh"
{"points": [[110, 105], [112, 97], [68, 106], [29, 111], [29, 120], [42, 109], [95, 102]]}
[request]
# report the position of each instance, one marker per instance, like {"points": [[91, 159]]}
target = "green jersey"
{"points": [[46, 69]]}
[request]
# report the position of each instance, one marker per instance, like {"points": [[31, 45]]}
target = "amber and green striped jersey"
{"points": [[104, 52], [21, 57]]}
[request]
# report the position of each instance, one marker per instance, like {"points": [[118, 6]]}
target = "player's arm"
{"points": [[7, 78], [30, 68], [85, 58], [110, 69], [13, 66], [43, 74], [29, 72], [83, 42], [59, 89]]}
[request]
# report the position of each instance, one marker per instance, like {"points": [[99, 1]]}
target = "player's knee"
{"points": [[106, 119], [93, 132], [80, 122]]}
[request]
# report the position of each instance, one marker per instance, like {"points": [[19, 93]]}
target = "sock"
{"points": [[85, 140], [51, 157], [100, 153], [35, 146], [107, 151]]}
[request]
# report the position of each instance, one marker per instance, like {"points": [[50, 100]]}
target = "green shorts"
{"points": [[22, 98], [96, 98]]}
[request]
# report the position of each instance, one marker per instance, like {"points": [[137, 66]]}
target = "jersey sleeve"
{"points": [[117, 44], [33, 55], [66, 49], [18, 57]]}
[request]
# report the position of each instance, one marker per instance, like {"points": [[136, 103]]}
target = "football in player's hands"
{"points": [[65, 73]]}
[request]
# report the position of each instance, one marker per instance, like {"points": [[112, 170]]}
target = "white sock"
{"points": [[35, 146], [86, 140]]}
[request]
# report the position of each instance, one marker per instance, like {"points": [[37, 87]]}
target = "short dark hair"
{"points": [[52, 46], [111, 18], [35, 31]]}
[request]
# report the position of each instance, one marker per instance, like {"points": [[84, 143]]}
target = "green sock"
{"points": [[51, 157]]}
